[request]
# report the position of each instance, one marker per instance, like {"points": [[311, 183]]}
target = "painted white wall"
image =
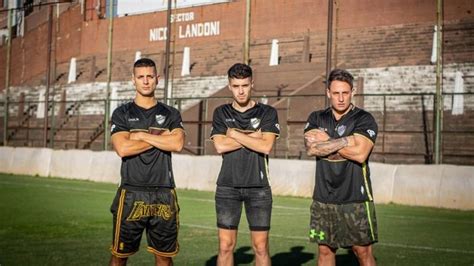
{"points": [[444, 186]]}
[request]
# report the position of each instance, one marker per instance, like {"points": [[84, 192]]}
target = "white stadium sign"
{"points": [[135, 7], [191, 30]]}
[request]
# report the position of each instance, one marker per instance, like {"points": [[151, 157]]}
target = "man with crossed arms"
{"points": [[144, 134], [243, 132], [341, 138]]}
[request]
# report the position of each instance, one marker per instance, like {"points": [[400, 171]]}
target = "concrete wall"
{"points": [[446, 186]]}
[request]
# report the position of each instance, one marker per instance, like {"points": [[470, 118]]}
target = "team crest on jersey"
{"points": [[371, 132], [255, 122], [341, 129], [160, 119]]}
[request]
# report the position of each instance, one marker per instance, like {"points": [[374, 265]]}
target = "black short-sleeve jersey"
{"points": [[342, 181], [152, 167], [244, 167]]}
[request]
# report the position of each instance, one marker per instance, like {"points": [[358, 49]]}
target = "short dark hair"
{"points": [[144, 62], [340, 75], [239, 71]]}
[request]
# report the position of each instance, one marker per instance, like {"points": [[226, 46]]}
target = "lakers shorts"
{"points": [[154, 210], [257, 203], [343, 225]]}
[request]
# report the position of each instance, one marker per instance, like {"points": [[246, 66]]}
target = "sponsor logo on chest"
{"points": [[160, 119]]}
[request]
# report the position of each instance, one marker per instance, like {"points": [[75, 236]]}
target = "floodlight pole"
{"points": [[247, 32], [48, 77], [7, 78], [109, 75], [167, 92], [329, 45], [439, 81]]}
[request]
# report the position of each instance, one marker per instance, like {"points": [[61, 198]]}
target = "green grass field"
{"points": [[46, 221]]}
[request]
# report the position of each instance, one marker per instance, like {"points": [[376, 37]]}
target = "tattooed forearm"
{"points": [[325, 148], [307, 143], [335, 156]]}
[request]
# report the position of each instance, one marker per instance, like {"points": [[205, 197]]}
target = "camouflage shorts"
{"points": [[343, 225]]}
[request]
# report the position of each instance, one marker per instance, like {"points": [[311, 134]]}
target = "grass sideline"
{"points": [[50, 221]]}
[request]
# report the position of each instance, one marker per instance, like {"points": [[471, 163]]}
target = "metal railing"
{"points": [[406, 118], [406, 124]]}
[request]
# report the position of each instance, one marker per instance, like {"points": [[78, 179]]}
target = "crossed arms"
{"points": [[132, 143], [234, 140], [355, 147]]}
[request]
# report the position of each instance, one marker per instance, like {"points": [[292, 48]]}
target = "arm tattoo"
{"points": [[325, 148], [307, 144]]}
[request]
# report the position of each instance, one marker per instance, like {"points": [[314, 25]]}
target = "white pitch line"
{"points": [[196, 199], [430, 219], [290, 214], [113, 191], [425, 219], [276, 206], [58, 187], [448, 250], [378, 215]]}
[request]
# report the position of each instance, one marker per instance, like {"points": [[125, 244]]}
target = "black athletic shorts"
{"points": [[257, 202], [343, 225], [135, 209]]}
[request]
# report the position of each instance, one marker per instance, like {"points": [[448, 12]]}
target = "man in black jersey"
{"points": [[243, 132], [144, 133], [342, 137]]}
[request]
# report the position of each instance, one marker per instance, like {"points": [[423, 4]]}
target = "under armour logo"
{"points": [[314, 234]]}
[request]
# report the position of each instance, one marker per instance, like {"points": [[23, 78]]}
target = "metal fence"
{"points": [[406, 130]]}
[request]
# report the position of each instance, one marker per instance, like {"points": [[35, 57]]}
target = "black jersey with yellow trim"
{"points": [[244, 167], [152, 167], [342, 181]]}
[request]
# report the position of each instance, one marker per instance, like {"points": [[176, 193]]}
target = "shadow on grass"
{"points": [[242, 255], [348, 259], [294, 257]]}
